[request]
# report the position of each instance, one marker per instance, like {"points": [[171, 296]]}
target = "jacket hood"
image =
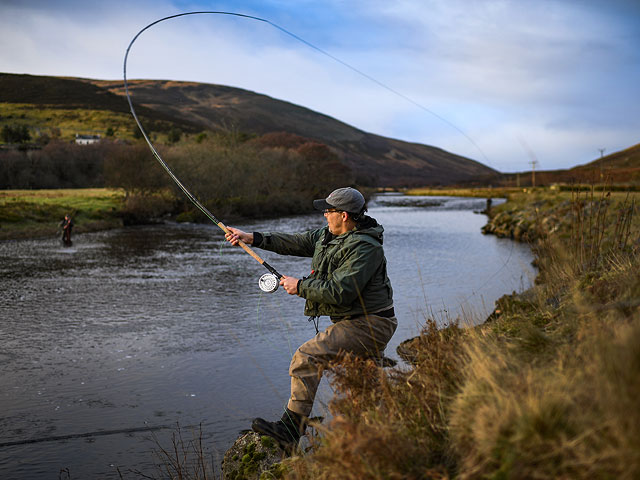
{"points": [[370, 226], [366, 226]]}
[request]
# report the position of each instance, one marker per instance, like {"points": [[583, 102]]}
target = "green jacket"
{"points": [[348, 272]]}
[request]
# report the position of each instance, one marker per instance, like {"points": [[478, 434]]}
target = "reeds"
{"points": [[181, 459]]}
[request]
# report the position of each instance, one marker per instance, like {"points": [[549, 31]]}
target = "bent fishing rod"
{"points": [[269, 281]]}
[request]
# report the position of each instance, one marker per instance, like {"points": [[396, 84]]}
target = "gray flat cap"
{"points": [[347, 199]]}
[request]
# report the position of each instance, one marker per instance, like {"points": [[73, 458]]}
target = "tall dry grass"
{"points": [[390, 424], [548, 388]]}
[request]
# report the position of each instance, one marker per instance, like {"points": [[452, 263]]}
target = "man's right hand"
{"points": [[236, 235]]}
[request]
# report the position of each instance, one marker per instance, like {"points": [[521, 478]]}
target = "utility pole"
{"points": [[601, 155], [533, 172]]}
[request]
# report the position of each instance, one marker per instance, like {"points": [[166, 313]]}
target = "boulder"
{"points": [[253, 457]]}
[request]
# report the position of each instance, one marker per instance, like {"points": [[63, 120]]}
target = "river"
{"points": [[114, 341]]}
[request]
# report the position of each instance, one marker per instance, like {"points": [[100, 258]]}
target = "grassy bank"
{"points": [[540, 213], [485, 192], [37, 213], [546, 388]]}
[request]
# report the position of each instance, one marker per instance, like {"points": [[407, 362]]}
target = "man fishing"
{"points": [[348, 282], [66, 224]]}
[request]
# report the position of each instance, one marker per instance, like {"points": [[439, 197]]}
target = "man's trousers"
{"points": [[365, 336]]}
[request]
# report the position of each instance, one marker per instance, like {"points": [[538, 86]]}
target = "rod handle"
{"points": [[244, 246]]}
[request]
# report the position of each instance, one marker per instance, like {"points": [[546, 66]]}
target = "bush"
{"points": [[56, 165], [15, 134]]}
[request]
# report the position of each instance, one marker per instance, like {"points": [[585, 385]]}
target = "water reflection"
{"points": [[150, 326]]}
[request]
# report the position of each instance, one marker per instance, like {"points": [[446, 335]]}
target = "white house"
{"points": [[87, 139]]}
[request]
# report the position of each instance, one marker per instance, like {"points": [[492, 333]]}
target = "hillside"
{"points": [[52, 100], [194, 107], [618, 168], [376, 160], [628, 158]]}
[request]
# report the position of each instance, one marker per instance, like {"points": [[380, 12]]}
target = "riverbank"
{"points": [[537, 214], [29, 214], [546, 388], [37, 213], [481, 192]]}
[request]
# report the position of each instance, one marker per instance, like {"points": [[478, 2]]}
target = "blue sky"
{"points": [[546, 79]]}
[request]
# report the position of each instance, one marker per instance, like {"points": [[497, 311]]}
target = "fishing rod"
{"points": [[269, 281]]}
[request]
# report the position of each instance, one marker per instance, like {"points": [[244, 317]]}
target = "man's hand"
{"points": [[290, 284], [238, 235]]}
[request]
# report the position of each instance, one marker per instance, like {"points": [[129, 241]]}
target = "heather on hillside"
{"points": [[173, 112]]}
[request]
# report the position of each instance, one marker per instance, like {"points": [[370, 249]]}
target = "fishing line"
{"points": [[99, 433], [268, 282], [310, 45]]}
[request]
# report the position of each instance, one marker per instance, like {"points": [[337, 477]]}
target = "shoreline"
{"points": [[36, 214], [546, 388]]}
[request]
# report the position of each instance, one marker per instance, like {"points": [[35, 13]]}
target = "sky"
{"points": [[502, 82]]}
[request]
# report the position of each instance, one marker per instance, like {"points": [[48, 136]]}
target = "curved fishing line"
{"points": [[383, 85], [308, 44], [157, 156], [195, 201]]}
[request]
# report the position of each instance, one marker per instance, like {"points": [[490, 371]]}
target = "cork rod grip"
{"points": [[244, 246]]}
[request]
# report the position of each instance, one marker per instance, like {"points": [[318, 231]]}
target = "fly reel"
{"points": [[268, 283]]}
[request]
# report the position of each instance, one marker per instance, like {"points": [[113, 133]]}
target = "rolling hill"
{"points": [[192, 107], [619, 168], [627, 158]]}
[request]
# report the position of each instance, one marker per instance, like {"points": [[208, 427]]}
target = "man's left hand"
{"points": [[290, 284]]}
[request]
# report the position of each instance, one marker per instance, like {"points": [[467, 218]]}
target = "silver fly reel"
{"points": [[268, 283]]}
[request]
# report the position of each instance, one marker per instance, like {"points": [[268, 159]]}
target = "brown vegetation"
{"points": [[621, 169], [232, 176], [547, 388]]}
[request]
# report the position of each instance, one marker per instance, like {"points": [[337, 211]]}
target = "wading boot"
{"points": [[286, 431]]}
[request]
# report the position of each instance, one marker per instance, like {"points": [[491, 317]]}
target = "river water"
{"points": [[111, 343]]}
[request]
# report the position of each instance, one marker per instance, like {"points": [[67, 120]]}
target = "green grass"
{"points": [[37, 213], [485, 192], [65, 123]]}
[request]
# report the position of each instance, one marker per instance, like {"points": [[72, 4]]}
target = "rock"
{"points": [[407, 350], [253, 457], [511, 302]]}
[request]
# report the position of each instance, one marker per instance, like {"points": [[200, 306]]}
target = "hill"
{"points": [[71, 106], [193, 107], [628, 158], [618, 168]]}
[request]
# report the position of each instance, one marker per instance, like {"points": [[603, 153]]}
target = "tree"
{"points": [[15, 134], [174, 135], [133, 168]]}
